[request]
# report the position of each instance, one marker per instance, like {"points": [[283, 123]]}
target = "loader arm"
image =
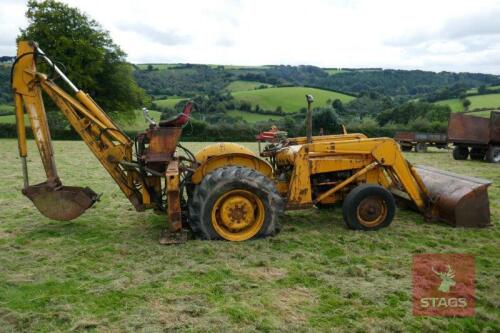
{"points": [[437, 194], [107, 142]]}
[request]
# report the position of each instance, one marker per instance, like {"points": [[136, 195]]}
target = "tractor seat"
{"points": [[179, 120]]}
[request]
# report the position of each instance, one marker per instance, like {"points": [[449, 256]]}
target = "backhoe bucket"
{"points": [[61, 203], [458, 200]]}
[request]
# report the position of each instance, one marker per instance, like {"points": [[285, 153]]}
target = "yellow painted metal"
{"points": [[346, 182], [300, 191], [362, 155], [238, 215], [108, 143], [231, 159], [22, 78], [327, 138], [222, 148], [172, 180]]}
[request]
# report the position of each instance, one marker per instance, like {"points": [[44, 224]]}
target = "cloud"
{"points": [[225, 42], [451, 35], [155, 35], [482, 23]]}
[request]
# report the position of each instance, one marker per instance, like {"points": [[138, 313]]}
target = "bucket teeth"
{"points": [[61, 203], [458, 200]]}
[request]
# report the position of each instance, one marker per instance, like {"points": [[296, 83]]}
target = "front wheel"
{"points": [[235, 204], [368, 207]]}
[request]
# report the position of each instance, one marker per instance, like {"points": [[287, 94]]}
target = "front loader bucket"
{"points": [[61, 203], [458, 200]]}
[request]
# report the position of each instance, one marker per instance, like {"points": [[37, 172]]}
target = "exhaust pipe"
{"points": [[309, 125]]}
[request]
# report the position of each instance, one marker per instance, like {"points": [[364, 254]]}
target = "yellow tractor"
{"points": [[225, 191]]}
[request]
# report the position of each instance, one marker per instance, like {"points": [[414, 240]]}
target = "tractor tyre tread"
{"points": [[356, 195], [460, 153], [224, 179]]}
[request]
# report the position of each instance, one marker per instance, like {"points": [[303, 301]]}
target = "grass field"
{"points": [[139, 123], [105, 271], [169, 102], [6, 107], [251, 117], [477, 102], [135, 125], [291, 99], [244, 85], [332, 71], [158, 66]]}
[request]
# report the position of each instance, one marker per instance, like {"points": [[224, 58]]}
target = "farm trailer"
{"points": [[420, 141], [476, 137]]}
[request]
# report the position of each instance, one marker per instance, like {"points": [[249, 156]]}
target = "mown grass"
{"points": [[244, 85], [291, 99], [491, 101], [105, 271]]}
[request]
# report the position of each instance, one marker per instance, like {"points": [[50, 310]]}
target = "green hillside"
{"points": [[252, 117], [332, 71], [138, 124], [291, 99], [6, 108], [11, 119], [491, 101], [244, 85], [168, 102]]}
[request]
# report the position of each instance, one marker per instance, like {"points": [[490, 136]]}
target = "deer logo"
{"points": [[447, 279]]}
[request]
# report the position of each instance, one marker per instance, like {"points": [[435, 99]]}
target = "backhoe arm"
{"points": [[108, 143]]}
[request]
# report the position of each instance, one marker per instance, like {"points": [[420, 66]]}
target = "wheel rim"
{"points": [[238, 215], [371, 211], [496, 155]]}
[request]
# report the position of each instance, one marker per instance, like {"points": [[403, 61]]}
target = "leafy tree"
{"points": [[150, 67], [91, 59], [338, 106], [466, 103], [327, 119]]}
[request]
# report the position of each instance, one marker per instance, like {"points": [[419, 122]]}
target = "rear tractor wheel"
{"points": [[460, 153], [235, 204], [369, 207]]}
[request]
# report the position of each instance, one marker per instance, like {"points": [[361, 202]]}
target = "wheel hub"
{"points": [[237, 212], [238, 215], [371, 211]]}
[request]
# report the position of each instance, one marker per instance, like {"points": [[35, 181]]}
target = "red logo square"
{"points": [[443, 285]]}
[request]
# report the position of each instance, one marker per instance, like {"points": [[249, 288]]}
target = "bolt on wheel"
{"points": [[238, 215]]}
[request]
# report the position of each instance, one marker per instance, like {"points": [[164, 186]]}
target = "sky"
{"points": [[437, 35]]}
